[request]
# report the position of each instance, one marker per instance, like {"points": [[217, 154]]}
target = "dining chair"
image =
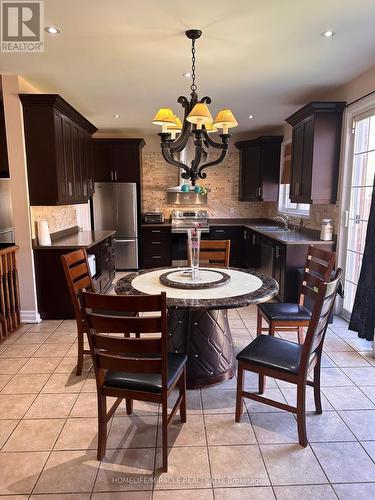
{"points": [[295, 317], [78, 277], [289, 361], [213, 253], [133, 368]]}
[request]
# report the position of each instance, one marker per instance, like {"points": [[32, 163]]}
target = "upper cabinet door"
{"points": [[104, 161], [250, 182], [259, 168], [315, 152], [55, 150], [117, 160]]}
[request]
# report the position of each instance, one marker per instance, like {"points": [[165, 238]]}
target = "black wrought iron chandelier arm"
{"points": [[169, 158], [214, 144], [218, 160]]}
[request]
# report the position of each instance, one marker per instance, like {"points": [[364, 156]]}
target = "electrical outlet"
{"points": [[231, 210]]}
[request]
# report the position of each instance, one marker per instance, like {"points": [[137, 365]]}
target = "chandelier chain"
{"points": [[193, 86]]}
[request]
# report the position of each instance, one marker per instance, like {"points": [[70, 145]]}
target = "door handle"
{"points": [[346, 218], [116, 240]]}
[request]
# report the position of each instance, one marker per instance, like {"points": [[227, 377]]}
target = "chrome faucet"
{"points": [[283, 218]]}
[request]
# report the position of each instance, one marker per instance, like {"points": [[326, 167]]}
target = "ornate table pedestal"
{"points": [[198, 319], [205, 336]]}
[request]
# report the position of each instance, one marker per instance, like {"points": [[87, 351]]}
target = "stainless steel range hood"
{"points": [[174, 194], [190, 198]]}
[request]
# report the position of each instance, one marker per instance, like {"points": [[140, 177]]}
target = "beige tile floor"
{"points": [[48, 430]]}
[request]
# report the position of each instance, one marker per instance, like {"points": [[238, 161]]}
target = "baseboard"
{"points": [[30, 317]]}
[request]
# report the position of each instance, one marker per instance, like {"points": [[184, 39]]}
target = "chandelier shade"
{"points": [[200, 115], [196, 126]]}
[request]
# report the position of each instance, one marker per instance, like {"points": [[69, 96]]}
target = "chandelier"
{"points": [[198, 124]]}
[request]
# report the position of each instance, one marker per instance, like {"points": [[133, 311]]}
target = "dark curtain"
{"points": [[363, 315]]}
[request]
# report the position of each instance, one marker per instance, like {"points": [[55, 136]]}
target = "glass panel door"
{"points": [[362, 180]]}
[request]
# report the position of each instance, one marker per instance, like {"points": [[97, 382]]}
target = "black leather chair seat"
{"points": [[273, 352], [285, 312], [146, 382]]}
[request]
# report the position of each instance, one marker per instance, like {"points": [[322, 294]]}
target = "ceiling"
{"points": [[261, 58]]}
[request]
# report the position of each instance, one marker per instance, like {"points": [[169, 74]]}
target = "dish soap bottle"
{"points": [[326, 230]]}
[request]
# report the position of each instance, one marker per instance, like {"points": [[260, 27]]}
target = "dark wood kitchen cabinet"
{"points": [[315, 152], [233, 233], [259, 168], [4, 165], [250, 252], [54, 301], [156, 247], [118, 160], [58, 150]]}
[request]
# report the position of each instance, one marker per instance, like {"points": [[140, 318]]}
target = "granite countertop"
{"points": [[268, 289], [305, 237], [81, 239]]}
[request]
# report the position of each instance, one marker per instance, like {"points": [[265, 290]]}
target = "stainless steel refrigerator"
{"points": [[115, 207]]}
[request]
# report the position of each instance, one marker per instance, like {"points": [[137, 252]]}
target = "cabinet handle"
{"points": [[156, 242], [277, 255], [296, 188], [85, 189], [115, 175], [70, 189], [253, 239], [259, 191], [156, 257], [219, 231], [156, 231], [111, 175]]}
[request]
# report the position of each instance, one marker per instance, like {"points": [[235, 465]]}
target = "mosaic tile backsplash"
{"points": [[223, 181], [58, 218]]}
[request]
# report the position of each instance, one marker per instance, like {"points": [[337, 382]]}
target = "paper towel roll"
{"points": [[44, 237]]}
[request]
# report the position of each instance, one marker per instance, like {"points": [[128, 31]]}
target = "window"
{"points": [[359, 201], [285, 205]]}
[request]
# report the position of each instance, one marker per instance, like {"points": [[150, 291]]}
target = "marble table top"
{"points": [[243, 289]]}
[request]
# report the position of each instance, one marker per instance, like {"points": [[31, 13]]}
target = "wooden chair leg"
{"points": [[301, 335], [80, 354], [259, 324], [239, 398], [271, 329], [262, 383], [301, 414], [102, 426], [182, 391], [129, 406], [317, 395], [165, 434]]}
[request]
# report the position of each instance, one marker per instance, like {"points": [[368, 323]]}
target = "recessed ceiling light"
{"points": [[52, 30], [328, 34], [116, 116], [251, 117], [186, 75]]}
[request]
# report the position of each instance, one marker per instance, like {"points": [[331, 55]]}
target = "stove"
{"points": [[182, 220]]}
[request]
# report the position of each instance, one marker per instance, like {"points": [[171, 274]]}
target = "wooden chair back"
{"points": [[102, 316], [214, 253], [318, 268], [323, 306], [78, 277]]}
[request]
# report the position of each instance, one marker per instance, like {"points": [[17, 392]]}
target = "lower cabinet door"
{"points": [[126, 253]]}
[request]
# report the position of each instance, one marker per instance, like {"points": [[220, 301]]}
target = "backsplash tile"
{"points": [[223, 181], [61, 217]]}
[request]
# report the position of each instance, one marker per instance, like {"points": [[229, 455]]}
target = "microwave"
{"points": [[153, 218]]}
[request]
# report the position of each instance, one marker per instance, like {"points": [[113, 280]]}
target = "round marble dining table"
{"points": [[198, 319]]}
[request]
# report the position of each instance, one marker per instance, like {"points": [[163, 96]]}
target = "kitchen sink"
{"points": [[273, 229]]}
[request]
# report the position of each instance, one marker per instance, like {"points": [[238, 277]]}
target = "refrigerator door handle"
{"points": [[124, 240]]}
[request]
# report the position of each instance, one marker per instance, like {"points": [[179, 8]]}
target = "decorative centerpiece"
{"points": [[194, 240]]}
